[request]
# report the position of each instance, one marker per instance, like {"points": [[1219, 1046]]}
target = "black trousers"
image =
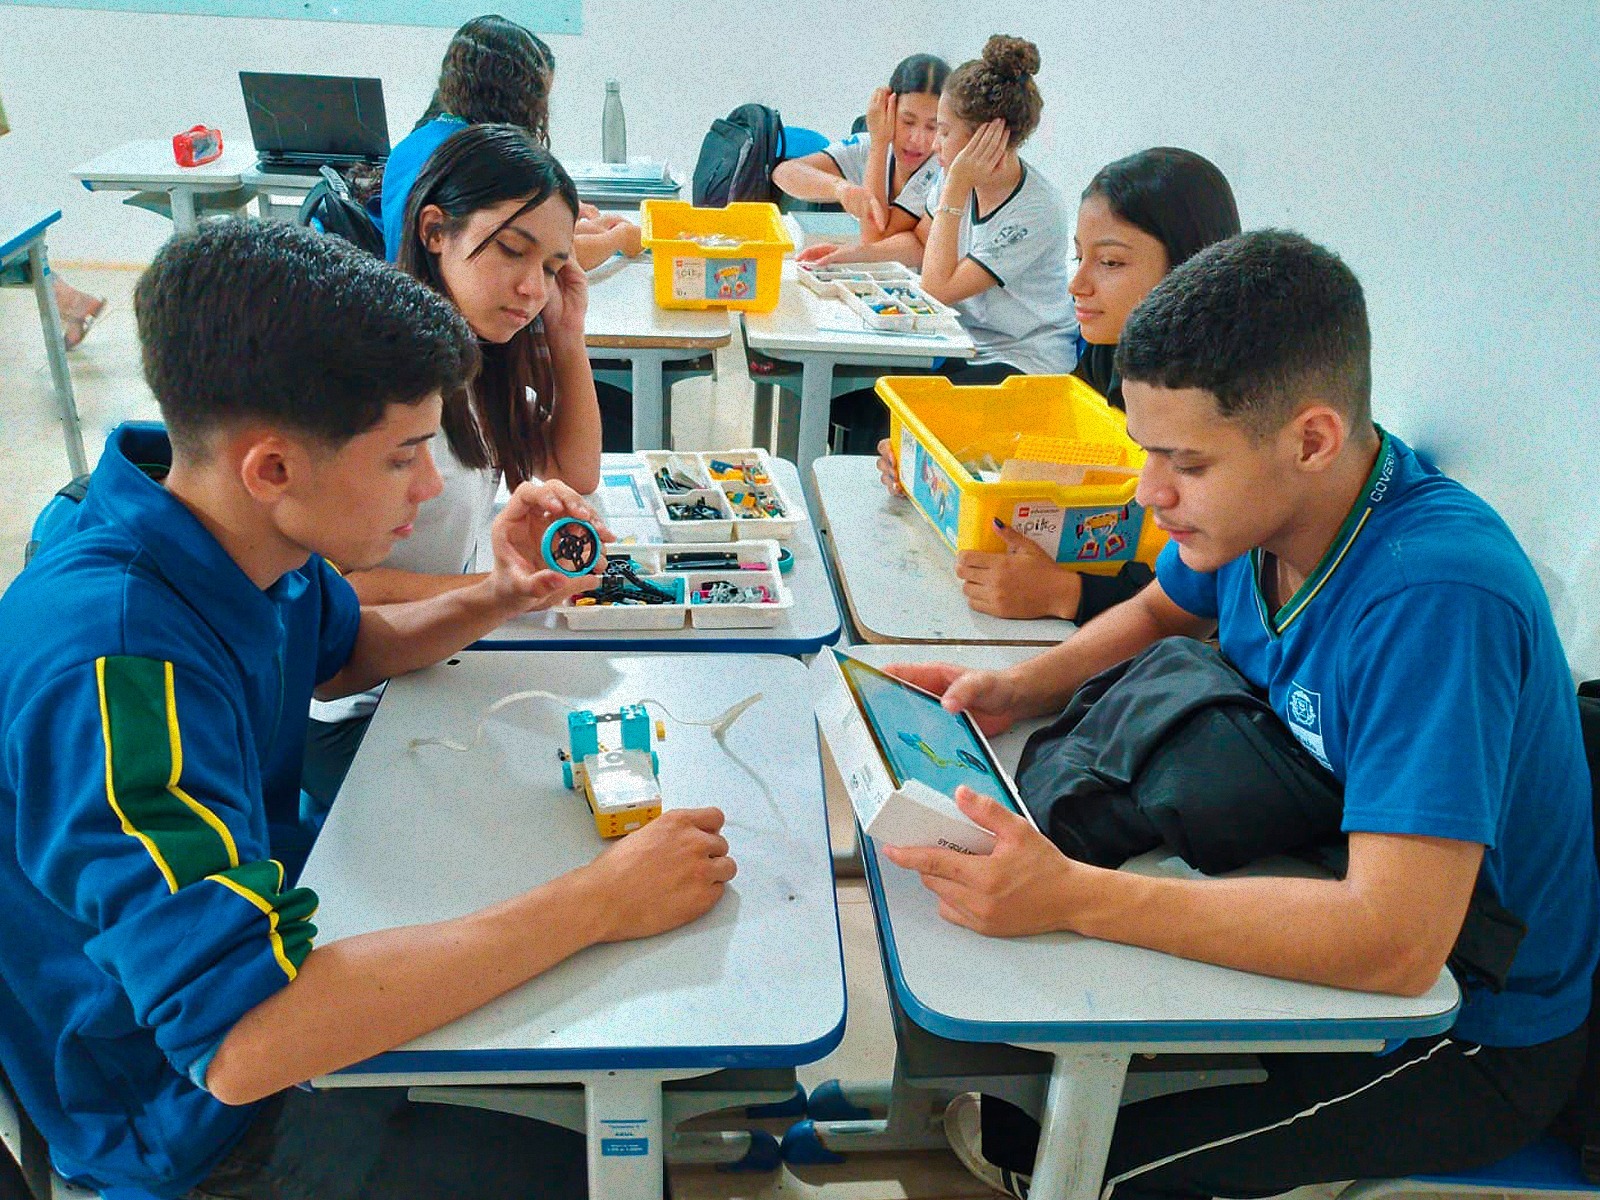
{"points": [[616, 418], [374, 1144], [1433, 1105], [861, 420]]}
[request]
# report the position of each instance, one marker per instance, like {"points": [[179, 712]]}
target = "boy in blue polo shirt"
{"points": [[1403, 637], [160, 986]]}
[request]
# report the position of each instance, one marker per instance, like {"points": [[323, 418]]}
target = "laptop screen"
{"points": [[315, 116]]}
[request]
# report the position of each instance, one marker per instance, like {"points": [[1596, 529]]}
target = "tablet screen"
{"points": [[919, 739]]}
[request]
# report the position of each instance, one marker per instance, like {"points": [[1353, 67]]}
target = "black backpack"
{"points": [[737, 157], [330, 208], [1580, 1122]]}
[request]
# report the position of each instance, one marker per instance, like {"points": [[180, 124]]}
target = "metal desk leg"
{"points": [[649, 399], [816, 394], [1080, 1111], [624, 1131], [621, 1121], [761, 419], [56, 350], [183, 218]]}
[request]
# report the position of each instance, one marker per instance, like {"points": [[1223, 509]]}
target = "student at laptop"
{"points": [[490, 227], [494, 72], [1403, 636], [162, 987]]}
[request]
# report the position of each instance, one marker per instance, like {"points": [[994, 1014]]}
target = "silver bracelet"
{"points": [[946, 208]]}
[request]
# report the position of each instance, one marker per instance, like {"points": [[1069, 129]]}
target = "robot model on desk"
{"points": [[620, 782]]}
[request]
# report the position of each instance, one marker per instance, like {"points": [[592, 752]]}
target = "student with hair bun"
{"points": [[993, 241], [880, 176]]}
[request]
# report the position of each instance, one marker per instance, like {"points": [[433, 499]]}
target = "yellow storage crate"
{"points": [[940, 432], [740, 270]]}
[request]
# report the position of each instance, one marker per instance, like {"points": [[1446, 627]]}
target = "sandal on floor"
{"points": [[75, 329]]}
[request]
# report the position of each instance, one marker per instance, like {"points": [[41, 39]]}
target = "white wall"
{"points": [[1450, 151]]}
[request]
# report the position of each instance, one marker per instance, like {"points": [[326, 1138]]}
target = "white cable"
{"points": [[718, 725]]}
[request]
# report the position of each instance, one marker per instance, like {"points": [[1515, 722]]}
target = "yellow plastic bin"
{"points": [[1025, 424], [742, 274]]}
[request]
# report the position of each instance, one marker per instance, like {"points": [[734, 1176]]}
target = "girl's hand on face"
{"points": [[881, 112], [979, 160], [567, 302]]}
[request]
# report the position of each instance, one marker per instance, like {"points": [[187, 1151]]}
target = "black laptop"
{"points": [[300, 122]]}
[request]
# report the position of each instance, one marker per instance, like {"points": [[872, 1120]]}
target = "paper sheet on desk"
{"points": [[848, 322], [603, 271]]}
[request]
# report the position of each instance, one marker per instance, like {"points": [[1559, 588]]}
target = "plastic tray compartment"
{"points": [[738, 615], [897, 308], [750, 468], [633, 616], [749, 554], [679, 468], [716, 257], [1094, 526], [749, 564], [824, 280]]}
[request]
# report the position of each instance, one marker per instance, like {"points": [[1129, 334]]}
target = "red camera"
{"points": [[199, 145]]}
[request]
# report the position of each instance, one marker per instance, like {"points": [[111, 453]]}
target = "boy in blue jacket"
{"points": [[1403, 637], [160, 986]]}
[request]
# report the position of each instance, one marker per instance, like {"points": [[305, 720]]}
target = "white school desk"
{"points": [[148, 166], [269, 187], [812, 623], [22, 238], [624, 322], [1094, 1004], [821, 335], [897, 575], [427, 834]]}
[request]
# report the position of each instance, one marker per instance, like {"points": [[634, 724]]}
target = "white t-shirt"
{"points": [[852, 155], [444, 540], [1026, 319]]}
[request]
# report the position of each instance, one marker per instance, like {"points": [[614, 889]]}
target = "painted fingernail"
{"points": [[998, 523]]}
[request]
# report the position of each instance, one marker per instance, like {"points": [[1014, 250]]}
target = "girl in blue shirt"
{"points": [[494, 72]]}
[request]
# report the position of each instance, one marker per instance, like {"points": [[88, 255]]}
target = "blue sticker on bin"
{"points": [[624, 1147], [935, 492], [730, 278]]}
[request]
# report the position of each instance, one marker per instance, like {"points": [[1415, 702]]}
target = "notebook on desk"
{"points": [[300, 122]]}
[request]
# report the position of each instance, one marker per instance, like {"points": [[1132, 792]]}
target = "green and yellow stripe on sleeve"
{"points": [[187, 841]]}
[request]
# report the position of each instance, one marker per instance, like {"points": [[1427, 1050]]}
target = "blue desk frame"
{"points": [[28, 244]]}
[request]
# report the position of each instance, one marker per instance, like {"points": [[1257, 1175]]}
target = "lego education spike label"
{"points": [[1080, 535]]}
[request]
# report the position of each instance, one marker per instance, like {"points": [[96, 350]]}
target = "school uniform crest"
{"points": [[1305, 720], [1008, 235]]}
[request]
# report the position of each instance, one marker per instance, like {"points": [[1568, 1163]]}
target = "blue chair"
{"points": [[798, 141], [1549, 1168]]}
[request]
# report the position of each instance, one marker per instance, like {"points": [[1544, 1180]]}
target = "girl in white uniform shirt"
{"points": [[885, 189], [489, 224], [994, 240]]}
